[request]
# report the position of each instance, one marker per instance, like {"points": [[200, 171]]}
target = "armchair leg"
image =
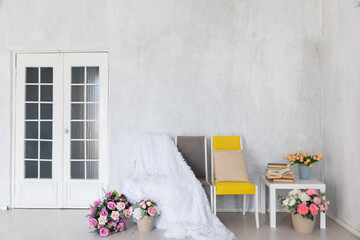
{"points": [[244, 204], [211, 198], [256, 207], [215, 200]]}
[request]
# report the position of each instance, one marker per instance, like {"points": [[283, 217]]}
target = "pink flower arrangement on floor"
{"points": [[307, 202], [109, 214], [145, 207]]}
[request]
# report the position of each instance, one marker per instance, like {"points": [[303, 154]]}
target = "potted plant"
{"points": [[304, 205], [305, 162], [109, 214], [144, 212]]}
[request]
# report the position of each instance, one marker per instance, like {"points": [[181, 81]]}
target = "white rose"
{"points": [[303, 197], [102, 220], [120, 206], [292, 202], [293, 192], [148, 203], [143, 206], [286, 202], [115, 215], [137, 214]]}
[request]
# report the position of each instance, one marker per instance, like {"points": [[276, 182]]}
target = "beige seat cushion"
{"points": [[230, 166]]}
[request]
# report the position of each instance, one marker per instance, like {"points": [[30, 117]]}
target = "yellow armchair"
{"points": [[232, 188]]}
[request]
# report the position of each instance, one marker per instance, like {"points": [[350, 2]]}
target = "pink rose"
{"points": [[103, 212], [151, 211], [302, 209], [323, 207], [92, 222], [317, 200], [128, 212], [111, 205], [311, 192], [314, 210], [97, 203], [148, 203], [92, 210], [104, 232], [108, 194]]}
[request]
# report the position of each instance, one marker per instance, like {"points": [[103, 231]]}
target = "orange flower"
{"points": [[297, 158], [286, 157], [311, 166], [301, 152], [317, 153], [315, 158], [301, 159], [296, 152]]}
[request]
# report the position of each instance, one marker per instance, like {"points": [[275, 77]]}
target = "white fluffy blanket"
{"points": [[162, 175]]}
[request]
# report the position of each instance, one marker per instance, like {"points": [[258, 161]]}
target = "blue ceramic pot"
{"points": [[304, 171]]}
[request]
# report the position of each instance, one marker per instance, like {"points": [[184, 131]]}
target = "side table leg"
{"points": [[322, 220], [323, 215], [262, 196], [272, 207]]}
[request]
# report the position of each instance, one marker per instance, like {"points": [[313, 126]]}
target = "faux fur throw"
{"points": [[162, 175]]}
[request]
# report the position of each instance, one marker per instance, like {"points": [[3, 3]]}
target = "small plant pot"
{"points": [[146, 224], [304, 171], [302, 224]]}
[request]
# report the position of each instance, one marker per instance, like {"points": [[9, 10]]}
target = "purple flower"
{"points": [[92, 222], [104, 232], [111, 205], [92, 210], [103, 212], [97, 203]]}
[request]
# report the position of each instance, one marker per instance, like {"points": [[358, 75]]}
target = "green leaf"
{"points": [[115, 192]]}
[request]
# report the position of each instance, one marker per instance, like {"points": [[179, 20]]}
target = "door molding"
{"points": [[13, 102]]}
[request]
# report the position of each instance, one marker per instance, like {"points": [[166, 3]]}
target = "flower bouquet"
{"points": [[108, 215], [304, 205], [144, 212], [305, 161]]}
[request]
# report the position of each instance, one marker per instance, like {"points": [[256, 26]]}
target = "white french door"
{"points": [[60, 129]]}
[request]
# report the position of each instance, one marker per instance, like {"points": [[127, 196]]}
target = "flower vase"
{"points": [[302, 224], [304, 171], [146, 224]]}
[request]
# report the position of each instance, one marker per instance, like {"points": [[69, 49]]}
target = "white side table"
{"points": [[297, 184]]}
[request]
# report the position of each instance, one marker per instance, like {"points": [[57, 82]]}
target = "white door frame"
{"points": [[13, 72]]}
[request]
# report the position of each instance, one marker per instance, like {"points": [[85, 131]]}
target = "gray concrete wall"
{"points": [[341, 86], [191, 67]]}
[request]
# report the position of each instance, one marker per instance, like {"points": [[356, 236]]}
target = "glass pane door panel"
{"points": [[38, 133], [84, 122], [31, 169], [45, 169]]}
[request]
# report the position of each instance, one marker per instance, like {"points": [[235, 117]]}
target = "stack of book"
{"points": [[280, 173]]}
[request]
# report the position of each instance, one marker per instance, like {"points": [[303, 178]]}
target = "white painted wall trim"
{"points": [[354, 231], [13, 130], [3, 208]]}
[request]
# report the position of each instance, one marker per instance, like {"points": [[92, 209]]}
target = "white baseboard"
{"points": [[354, 231], [247, 210], [4, 208]]}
